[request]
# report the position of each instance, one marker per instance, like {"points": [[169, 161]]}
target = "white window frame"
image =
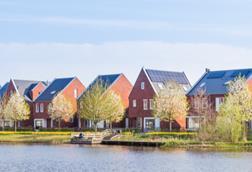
{"points": [[37, 107], [41, 107], [76, 93], [218, 103], [151, 104], [134, 103], [142, 85], [145, 104], [44, 122]]}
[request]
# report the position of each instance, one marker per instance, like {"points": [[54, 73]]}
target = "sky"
{"points": [[45, 39]]}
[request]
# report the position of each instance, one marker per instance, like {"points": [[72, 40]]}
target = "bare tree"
{"points": [[17, 109], [202, 106], [170, 103], [60, 109]]}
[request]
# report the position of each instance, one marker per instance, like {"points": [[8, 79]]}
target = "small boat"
{"points": [[89, 139]]}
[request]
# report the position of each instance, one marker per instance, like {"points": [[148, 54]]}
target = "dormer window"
{"points": [[142, 85], [202, 84], [161, 85]]}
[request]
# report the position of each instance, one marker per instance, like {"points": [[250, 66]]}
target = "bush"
{"points": [[179, 135]]}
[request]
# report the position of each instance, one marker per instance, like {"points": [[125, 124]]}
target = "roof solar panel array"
{"points": [[215, 82], [215, 75], [242, 73], [164, 76]]}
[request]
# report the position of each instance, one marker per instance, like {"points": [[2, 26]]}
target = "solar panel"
{"points": [[215, 75], [164, 76], [243, 73]]}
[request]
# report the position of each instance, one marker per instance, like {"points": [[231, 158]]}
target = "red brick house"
{"points": [[121, 86], [71, 88], [214, 84], [147, 85], [30, 90]]}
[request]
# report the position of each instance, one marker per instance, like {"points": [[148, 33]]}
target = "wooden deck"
{"points": [[132, 143]]}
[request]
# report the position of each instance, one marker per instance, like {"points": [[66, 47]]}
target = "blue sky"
{"points": [[47, 39]]}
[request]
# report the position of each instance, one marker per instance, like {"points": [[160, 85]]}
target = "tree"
{"points": [[3, 104], [237, 108], [17, 109], [117, 109], [170, 103], [202, 106], [100, 104], [60, 109]]}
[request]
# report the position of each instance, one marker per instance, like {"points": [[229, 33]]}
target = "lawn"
{"points": [[180, 139], [35, 137]]}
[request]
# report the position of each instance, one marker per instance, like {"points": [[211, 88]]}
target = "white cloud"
{"points": [[48, 60], [233, 30]]}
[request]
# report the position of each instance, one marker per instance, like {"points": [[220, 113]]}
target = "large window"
{"points": [[41, 107], [38, 123], [37, 108], [145, 104], [142, 85], [134, 103], [151, 103], [218, 102], [149, 124]]}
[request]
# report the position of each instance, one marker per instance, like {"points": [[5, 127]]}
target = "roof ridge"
{"points": [[226, 70], [164, 70]]}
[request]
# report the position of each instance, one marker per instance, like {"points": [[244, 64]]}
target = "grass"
{"points": [[35, 137], [56, 137], [183, 140]]}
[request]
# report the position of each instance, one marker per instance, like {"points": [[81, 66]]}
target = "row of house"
{"points": [[137, 98]]}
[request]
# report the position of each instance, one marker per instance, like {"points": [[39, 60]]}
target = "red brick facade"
{"points": [[122, 87], [138, 114], [68, 92]]}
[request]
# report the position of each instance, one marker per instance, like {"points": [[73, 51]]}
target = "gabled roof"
{"points": [[158, 77], [4, 89], [216, 82], [107, 80], [54, 88], [24, 87]]}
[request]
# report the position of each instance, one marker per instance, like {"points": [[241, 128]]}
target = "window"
{"points": [[151, 104], [134, 103], [142, 85], [38, 123], [37, 108], [218, 102], [75, 93], [41, 107], [161, 85], [7, 123], [145, 104]]}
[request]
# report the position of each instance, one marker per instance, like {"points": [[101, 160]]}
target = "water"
{"points": [[67, 158]]}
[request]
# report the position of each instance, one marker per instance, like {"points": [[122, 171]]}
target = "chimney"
{"points": [[207, 70]]}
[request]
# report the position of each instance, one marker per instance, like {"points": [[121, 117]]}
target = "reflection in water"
{"points": [[65, 158]]}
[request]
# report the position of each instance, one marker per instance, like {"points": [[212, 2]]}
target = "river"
{"points": [[67, 158]]}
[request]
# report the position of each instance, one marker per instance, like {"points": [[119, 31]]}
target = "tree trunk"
{"points": [[15, 124], [59, 124], [95, 127], [170, 125], [244, 131], [3, 126]]}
